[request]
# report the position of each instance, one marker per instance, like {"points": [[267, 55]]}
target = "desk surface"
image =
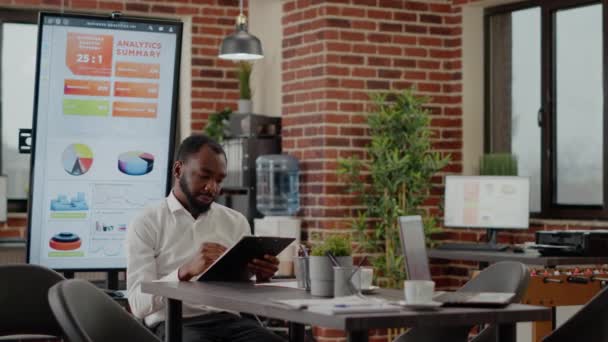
{"points": [[245, 297], [530, 257]]}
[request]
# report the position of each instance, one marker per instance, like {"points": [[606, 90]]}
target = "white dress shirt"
{"points": [[162, 238]]}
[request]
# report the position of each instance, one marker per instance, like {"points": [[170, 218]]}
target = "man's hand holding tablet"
{"points": [[265, 268]]}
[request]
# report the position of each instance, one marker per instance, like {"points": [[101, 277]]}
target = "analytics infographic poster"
{"points": [[104, 120]]}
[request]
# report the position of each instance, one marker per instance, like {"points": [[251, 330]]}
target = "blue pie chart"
{"points": [[135, 163]]}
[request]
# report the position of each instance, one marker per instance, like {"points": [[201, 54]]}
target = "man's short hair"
{"points": [[193, 144]]}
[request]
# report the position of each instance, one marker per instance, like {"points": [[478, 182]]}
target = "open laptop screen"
{"points": [[411, 233]]}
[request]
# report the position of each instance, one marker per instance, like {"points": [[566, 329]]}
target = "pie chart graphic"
{"points": [[77, 159], [135, 163], [65, 241]]}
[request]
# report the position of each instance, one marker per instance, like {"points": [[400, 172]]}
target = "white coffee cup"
{"points": [[367, 276], [418, 291]]}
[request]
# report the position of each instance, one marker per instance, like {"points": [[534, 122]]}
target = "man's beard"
{"points": [[192, 202]]}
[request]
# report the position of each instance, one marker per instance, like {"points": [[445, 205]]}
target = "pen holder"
{"points": [[302, 271], [322, 274], [347, 281]]}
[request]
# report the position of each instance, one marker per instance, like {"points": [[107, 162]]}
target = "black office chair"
{"points": [[86, 314], [505, 276], [24, 303], [588, 324]]}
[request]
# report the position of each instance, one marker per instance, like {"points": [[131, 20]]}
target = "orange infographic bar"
{"points": [[86, 87], [134, 109], [134, 89], [138, 70]]}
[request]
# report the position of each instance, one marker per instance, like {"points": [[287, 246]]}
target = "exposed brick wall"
{"points": [[335, 53]]}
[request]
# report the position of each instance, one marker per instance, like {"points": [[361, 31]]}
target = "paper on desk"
{"points": [[349, 304], [288, 284]]}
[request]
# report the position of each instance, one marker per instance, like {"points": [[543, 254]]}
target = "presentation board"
{"points": [[492, 202], [103, 136]]}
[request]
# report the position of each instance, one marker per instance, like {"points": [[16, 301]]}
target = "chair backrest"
{"points": [[87, 314], [588, 324], [24, 302], [504, 276], [413, 245]]}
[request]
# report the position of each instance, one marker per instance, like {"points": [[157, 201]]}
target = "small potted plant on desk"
{"points": [[321, 267]]}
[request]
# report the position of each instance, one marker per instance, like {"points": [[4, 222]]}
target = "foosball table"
{"points": [[562, 287]]}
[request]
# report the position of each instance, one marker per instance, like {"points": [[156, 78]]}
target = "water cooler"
{"points": [[278, 198]]}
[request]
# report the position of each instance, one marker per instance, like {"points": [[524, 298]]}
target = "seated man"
{"points": [[181, 237]]}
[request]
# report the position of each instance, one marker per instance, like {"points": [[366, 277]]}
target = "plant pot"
{"points": [[322, 274], [244, 106]]}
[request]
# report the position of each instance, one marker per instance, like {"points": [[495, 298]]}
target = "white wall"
{"points": [[265, 23]]}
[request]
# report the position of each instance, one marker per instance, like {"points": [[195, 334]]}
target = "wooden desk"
{"points": [[540, 291], [246, 297]]}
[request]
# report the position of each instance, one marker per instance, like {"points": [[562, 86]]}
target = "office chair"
{"points": [[86, 314], [505, 276], [24, 303], [588, 324]]}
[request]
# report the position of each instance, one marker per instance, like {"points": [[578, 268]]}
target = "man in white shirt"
{"points": [[181, 237]]}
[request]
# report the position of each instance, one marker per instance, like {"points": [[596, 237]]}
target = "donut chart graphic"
{"points": [[77, 159], [135, 163], [65, 241]]}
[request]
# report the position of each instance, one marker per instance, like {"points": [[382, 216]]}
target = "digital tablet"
{"points": [[232, 265]]}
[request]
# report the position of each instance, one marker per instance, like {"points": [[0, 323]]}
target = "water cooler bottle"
{"points": [[278, 198]]}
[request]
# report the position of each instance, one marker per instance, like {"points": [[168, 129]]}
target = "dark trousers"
{"points": [[221, 327]]}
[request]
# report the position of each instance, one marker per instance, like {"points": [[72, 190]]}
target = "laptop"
{"points": [[413, 245], [411, 233], [462, 298]]}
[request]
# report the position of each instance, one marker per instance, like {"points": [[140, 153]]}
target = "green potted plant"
{"points": [[244, 75], [321, 268], [217, 124], [498, 164], [394, 180]]}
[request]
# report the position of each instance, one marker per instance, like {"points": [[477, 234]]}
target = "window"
{"points": [[545, 102], [18, 32]]}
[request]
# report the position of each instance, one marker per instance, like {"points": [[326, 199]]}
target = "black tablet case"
{"points": [[232, 265]]}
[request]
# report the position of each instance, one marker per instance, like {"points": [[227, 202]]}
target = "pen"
{"points": [[304, 251], [333, 259]]}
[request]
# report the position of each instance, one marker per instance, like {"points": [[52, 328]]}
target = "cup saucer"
{"points": [[370, 290], [420, 305]]}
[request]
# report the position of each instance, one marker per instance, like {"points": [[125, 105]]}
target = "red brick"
{"points": [[430, 18], [429, 41], [404, 16], [388, 27], [85, 4], [416, 29], [138, 7], [163, 9], [113, 6]]}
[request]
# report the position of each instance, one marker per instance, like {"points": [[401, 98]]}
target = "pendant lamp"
{"points": [[241, 46]]}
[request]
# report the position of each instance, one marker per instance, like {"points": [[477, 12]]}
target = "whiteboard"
{"points": [[492, 202], [103, 135]]}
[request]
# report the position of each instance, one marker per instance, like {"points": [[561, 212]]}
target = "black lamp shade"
{"points": [[241, 46]]}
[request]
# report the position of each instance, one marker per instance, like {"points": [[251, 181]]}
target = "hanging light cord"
{"points": [[241, 20]]}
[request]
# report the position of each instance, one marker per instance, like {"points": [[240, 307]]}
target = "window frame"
{"points": [[546, 114], [15, 16]]}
